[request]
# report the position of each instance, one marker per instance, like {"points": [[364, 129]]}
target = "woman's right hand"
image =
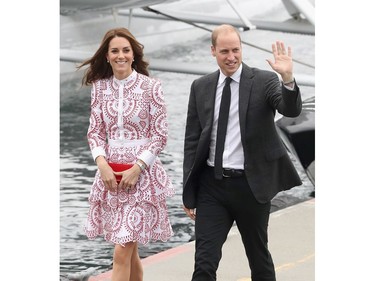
{"points": [[106, 173]]}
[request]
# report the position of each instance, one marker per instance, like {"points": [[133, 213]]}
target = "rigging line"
{"points": [[176, 19], [210, 30]]}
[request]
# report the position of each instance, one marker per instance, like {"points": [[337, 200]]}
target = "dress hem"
{"points": [[91, 235]]}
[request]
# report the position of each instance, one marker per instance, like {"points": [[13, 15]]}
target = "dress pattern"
{"points": [[128, 121]]}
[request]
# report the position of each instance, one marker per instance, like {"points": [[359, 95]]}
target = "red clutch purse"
{"points": [[116, 167]]}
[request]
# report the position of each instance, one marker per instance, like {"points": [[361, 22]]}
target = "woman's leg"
{"points": [[122, 261], [136, 273]]}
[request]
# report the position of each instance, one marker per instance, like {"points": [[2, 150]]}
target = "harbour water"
{"points": [[77, 253]]}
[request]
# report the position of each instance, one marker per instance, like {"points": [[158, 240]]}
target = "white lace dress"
{"points": [[128, 121]]}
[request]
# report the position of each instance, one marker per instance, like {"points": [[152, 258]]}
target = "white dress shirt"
{"points": [[233, 156]]}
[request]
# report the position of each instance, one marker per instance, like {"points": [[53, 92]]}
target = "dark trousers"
{"points": [[220, 203]]}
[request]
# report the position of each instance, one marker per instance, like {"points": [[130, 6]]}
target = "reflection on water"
{"points": [[77, 253]]}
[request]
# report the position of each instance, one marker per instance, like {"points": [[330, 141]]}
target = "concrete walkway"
{"points": [[291, 243]]}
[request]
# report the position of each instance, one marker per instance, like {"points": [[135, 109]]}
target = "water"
{"points": [[77, 253]]}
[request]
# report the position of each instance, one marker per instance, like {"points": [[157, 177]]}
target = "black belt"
{"points": [[232, 173]]}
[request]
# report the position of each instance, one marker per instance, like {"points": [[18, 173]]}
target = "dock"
{"points": [[291, 243]]}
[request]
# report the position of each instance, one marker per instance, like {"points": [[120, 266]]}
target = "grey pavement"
{"points": [[291, 243]]}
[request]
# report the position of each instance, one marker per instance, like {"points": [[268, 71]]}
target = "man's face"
{"points": [[228, 52]]}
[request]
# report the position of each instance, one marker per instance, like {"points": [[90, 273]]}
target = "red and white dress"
{"points": [[128, 121]]}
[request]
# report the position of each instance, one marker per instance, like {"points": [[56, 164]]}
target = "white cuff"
{"points": [[97, 151], [147, 157], [289, 88]]}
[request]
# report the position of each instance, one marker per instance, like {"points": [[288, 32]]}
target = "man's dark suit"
{"points": [[267, 166], [243, 199]]}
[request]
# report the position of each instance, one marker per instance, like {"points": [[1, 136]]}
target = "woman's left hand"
{"points": [[129, 177]]}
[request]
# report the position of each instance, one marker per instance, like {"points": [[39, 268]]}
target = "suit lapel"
{"points": [[246, 83], [209, 104]]}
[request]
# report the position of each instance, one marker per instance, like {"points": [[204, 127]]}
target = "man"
{"points": [[235, 182]]}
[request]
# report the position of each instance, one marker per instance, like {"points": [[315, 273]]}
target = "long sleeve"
{"points": [[96, 134], [158, 129], [285, 100], [193, 131]]}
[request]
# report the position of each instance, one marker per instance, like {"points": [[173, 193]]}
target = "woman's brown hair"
{"points": [[98, 66]]}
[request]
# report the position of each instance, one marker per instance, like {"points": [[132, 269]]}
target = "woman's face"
{"points": [[120, 56]]}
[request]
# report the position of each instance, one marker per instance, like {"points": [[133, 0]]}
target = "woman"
{"points": [[128, 125]]}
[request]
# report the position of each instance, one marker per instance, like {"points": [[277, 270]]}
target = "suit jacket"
{"points": [[267, 166]]}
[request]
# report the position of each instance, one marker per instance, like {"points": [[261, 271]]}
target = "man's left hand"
{"points": [[283, 63]]}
